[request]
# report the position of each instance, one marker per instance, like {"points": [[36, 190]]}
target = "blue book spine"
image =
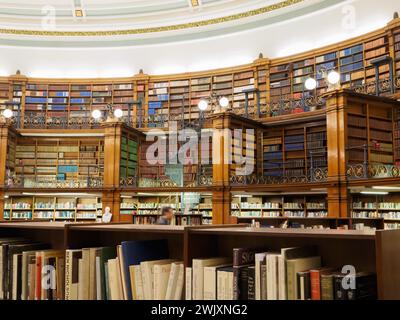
{"points": [[135, 252], [35, 100]]}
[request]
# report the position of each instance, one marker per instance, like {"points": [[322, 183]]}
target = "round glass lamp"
{"points": [[118, 113], [203, 105], [310, 84], [96, 114], [7, 113]]}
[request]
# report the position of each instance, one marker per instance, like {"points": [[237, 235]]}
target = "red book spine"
{"points": [[315, 285], [38, 291]]}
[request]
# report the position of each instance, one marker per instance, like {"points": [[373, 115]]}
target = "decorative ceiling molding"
{"points": [[176, 27]]}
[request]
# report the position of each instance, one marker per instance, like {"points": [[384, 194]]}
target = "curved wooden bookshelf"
{"points": [[262, 89]]}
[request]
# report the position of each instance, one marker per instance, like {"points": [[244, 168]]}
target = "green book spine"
{"points": [[327, 292]]}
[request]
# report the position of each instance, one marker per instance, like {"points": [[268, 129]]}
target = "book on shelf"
{"points": [[291, 274], [89, 273]]}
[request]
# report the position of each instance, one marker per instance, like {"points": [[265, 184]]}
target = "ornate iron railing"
{"points": [[316, 175], [372, 171], [384, 86], [53, 183], [40, 121], [164, 182], [64, 119], [291, 106]]}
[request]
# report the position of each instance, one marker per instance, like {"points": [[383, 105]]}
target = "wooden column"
{"points": [[4, 132], [112, 156], [221, 200], [337, 161], [221, 197]]}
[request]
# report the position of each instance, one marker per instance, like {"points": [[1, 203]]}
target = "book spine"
{"points": [[221, 290], [236, 289], [171, 282], [188, 282], [68, 275], [24, 279], [326, 288], [210, 283], [291, 277], [243, 284], [251, 285], [38, 291], [198, 277], [315, 285], [242, 257], [179, 283], [263, 283], [139, 283]]}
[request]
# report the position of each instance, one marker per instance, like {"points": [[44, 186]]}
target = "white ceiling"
{"points": [[302, 26]]}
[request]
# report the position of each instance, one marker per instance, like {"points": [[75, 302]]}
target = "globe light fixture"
{"points": [[118, 113], [310, 84], [96, 114], [7, 113], [202, 105], [224, 102], [333, 77]]}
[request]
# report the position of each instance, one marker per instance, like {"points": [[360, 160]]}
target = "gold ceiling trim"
{"points": [[197, 24]]}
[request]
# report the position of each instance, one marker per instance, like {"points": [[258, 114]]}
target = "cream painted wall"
{"points": [[281, 39]]}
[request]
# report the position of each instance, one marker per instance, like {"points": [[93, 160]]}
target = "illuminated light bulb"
{"points": [[202, 105], [333, 77], [96, 114], [310, 84], [118, 113], [224, 102], [7, 113]]}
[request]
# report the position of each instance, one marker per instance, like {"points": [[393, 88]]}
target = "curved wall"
{"points": [[185, 53]]}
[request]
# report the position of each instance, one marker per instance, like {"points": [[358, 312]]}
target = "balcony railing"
{"points": [[317, 175], [65, 119], [33, 120], [53, 183], [372, 171], [164, 182]]}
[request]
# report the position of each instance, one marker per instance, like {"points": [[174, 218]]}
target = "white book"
{"points": [[188, 283], [160, 279], [210, 281], [272, 276], [293, 252], [282, 277], [221, 285], [198, 274], [99, 293], [172, 281], [179, 283], [81, 295], [15, 276], [114, 280], [259, 258], [147, 269], [138, 282], [121, 270], [225, 284]]}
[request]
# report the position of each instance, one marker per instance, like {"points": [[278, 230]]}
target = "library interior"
{"points": [[200, 149]]}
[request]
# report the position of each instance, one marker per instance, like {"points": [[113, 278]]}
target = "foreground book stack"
{"points": [[290, 274], [133, 270]]}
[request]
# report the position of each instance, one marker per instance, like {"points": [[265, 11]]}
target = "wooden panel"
{"points": [[388, 264]]}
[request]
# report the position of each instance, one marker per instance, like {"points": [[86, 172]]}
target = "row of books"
{"points": [[289, 274], [138, 270]]}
